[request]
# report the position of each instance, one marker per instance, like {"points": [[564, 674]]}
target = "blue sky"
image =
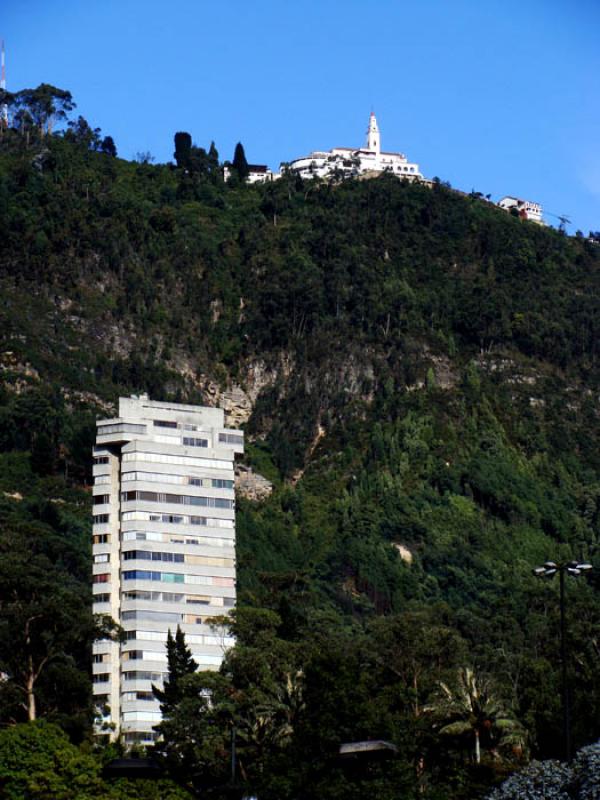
{"points": [[490, 95]]}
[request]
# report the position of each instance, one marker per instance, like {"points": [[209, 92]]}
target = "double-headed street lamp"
{"points": [[548, 570]]}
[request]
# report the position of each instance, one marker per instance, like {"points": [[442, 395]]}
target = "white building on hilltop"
{"points": [[257, 173], [349, 162], [163, 549], [526, 209]]}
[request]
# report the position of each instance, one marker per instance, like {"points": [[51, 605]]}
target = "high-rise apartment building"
{"points": [[163, 548]]}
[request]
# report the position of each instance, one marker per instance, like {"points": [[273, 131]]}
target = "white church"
{"points": [[347, 162]]}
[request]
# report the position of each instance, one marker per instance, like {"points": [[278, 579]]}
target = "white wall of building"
{"points": [[164, 548], [527, 208]]}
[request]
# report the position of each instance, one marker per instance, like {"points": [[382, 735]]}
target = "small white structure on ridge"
{"points": [[257, 173], [525, 208], [347, 162]]}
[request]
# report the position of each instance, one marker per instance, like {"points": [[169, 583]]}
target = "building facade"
{"points": [[347, 162], [257, 173], [526, 209], [163, 549]]}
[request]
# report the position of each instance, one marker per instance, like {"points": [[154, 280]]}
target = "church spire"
{"points": [[373, 140]]}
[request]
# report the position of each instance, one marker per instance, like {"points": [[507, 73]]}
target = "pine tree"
{"points": [[180, 663]]}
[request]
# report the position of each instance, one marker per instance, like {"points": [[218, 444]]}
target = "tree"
{"points": [[180, 664], [108, 146], [44, 618], [45, 105], [38, 762], [144, 157], [471, 708], [256, 697], [196, 731], [183, 148], [213, 157], [80, 132], [239, 163]]}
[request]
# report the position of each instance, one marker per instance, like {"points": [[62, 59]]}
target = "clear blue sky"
{"points": [[501, 97]]}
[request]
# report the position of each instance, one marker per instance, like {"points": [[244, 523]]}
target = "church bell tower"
{"points": [[373, 139]]}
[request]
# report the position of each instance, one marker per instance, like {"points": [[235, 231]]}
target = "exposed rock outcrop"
{"points": [[251, 484]]}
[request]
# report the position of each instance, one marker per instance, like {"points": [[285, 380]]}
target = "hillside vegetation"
{"points": [[421, 379]]}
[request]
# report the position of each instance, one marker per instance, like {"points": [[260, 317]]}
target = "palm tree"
{"points": [[472, 708]]}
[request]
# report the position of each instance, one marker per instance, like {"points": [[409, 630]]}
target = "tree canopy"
{"points": [[417, 373]]}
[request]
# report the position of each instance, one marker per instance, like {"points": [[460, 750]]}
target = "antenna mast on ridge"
{"points": [[3, 107]]}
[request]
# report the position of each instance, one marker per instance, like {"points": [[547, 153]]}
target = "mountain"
{"points": [[417, 373]]}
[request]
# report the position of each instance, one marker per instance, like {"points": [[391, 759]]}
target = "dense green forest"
{"points": [[422, 376]]}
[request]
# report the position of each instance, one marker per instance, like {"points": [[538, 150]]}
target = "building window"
{"points": [[164, 423], [99, 658], [104, 577], [140, 675], [175, 499], [152, 616], [231, 438], [220, 483], [102, 598], [148, 636], [210, 561], [172, 597], [101, 460], [101, 499], [172, 519], [153, 477], [100, 519], [129, 697], [100, 699], [103, 677], [192, 441], [101, 479], [101, 558], [133, 655], [172, 577], [197, 600], [147, 575], [101, 538], [140, 738], [183, 461], [147, 555]]}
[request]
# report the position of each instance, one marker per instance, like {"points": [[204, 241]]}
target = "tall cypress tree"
{"points": [[213, 158], [239, 163], [183, 148], [180, 663]]}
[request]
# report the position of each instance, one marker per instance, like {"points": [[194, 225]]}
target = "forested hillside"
{"points": [[419, 373]]}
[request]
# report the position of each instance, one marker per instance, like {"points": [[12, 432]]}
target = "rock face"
{"points": [[251, 484], [237, 406]]}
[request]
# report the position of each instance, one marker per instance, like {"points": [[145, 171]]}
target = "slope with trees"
{"points": [[422, 378]]}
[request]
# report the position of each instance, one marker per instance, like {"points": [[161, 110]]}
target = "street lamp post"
{"points": [[550, 569]]}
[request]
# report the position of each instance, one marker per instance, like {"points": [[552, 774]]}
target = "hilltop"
{"points": [[417, 374]]}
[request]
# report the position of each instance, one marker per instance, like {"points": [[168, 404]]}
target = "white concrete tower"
{"points": [[373, 138], [163, 550]]}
